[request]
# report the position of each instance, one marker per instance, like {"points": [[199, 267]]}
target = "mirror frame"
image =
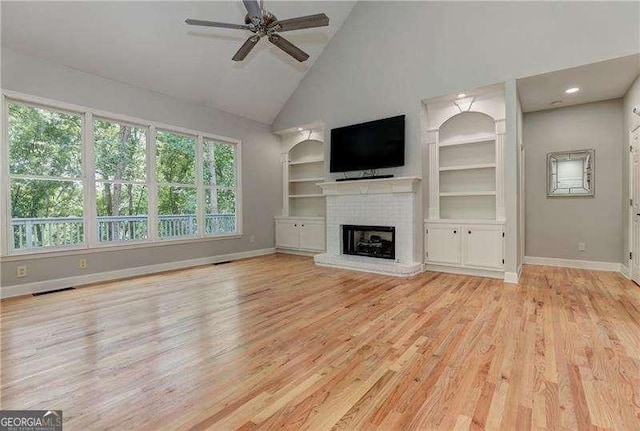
{"points": [[589, 154]]}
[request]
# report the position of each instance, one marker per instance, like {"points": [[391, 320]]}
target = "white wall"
{"points": [[556, 225], [631, 121], [261, 172], [427, 49]]}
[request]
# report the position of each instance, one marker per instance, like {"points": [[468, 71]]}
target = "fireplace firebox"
{"points": [[372, 241]]}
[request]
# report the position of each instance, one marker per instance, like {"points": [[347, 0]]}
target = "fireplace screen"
{"points": [[372, 241]]}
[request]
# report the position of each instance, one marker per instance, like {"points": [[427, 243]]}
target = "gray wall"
{"points": [[555, 226], [261, 174], [437, 48], [631, 121]]}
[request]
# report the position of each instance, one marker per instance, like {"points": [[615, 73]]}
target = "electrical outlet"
{"points": [[21, 271], [252, 238], [582, 246], [82, 263]]}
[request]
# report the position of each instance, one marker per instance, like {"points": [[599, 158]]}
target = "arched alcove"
{"points": [[306, 149], [466, 126]]}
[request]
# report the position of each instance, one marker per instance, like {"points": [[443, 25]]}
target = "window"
{"points": [[122, 202], [219, 169], [177, 192], [79, 179], [45, 176]]}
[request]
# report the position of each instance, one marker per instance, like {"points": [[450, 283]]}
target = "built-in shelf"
{"points": [[314, 195], [475, 139], [480, 193], [306, 180], [468, 167], [304, 169], [306, 162]]}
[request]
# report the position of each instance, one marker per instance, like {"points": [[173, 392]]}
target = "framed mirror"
{"points": [[571, 173]]}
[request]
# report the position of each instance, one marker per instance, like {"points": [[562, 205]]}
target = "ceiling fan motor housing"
{"points": [[262, 26]]}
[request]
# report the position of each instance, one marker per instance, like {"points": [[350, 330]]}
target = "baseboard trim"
{"points": [[61, 283], [465, 271], [571, 263], [297, 252], [511, 277], [624, 270]]}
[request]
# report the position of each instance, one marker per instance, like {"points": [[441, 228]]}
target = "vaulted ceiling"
{"points": [[148, 45]]}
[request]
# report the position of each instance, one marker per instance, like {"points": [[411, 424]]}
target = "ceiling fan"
{"points": [[263, 23]]}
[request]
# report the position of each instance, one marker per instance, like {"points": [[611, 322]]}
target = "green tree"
{"points": [[45, 143], [120, 155]]}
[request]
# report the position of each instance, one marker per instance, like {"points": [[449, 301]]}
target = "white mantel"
{"points": [[373, 186], [375, 202]]}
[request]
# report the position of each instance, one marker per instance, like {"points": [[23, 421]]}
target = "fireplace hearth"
{"points": [[371, 241]]}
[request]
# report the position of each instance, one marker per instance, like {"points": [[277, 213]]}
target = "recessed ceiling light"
{"points": [[556, 102], [572, 90], [300, 129], [461, 95]]}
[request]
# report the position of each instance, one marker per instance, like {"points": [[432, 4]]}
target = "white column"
{"points": [[500, 208], [434, 175], [285, 184]]}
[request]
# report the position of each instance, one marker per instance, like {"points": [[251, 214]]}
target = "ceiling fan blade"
{"points": [[311, 21], [253, 7], [288, 47], [215, 24], [246, 48]]}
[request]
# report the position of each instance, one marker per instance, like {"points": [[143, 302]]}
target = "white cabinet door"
{"points": [[483, 246], [312, 236], [443, 244], [286, 234]]}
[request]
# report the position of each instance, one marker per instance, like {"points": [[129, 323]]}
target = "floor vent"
{"points": [[53, 291], [222, 263]]}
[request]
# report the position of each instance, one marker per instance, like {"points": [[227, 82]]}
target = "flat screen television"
{"points": [[373, 145]]}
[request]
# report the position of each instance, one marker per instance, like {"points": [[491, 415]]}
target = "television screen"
{"points": [[373, 145]]}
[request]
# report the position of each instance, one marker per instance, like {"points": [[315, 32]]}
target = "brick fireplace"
{"points": [[389, 203]]}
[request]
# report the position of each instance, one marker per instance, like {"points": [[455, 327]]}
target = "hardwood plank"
{"points": [[276, 342]]}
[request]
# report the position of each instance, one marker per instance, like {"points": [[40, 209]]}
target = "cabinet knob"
{"points": [[296, 225], [469, 232], [302, 225], [455, 231]]}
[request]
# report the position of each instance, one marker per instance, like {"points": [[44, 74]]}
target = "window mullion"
{"points": [[238, 183], [89, 183], [152, 182], [200, 205], [5, 201]]}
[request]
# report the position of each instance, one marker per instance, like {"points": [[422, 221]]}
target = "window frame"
{"points": [[194, 185], [207, 187], [88, 180], [92, 173], [7, 176]]}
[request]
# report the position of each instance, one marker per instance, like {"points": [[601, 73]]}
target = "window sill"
{"points": [[81, 250]]}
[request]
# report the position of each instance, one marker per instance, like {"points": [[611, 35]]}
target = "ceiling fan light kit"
{"points": [[265, 24]]}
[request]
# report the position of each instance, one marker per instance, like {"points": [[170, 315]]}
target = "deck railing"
{"points": [[59, 231]]}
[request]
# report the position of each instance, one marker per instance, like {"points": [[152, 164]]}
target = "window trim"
{"points": [[88, 180]]}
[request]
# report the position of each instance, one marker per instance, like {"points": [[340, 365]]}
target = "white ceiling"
{"points": [[147, 44], [597, 81]]}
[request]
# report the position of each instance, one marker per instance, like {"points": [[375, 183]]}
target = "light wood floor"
{"points": [[275, 342]]}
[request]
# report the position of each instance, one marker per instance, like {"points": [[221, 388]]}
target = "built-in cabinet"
{"points": [[304, 234], [465, 245], [464, 140], [301, 228]]}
